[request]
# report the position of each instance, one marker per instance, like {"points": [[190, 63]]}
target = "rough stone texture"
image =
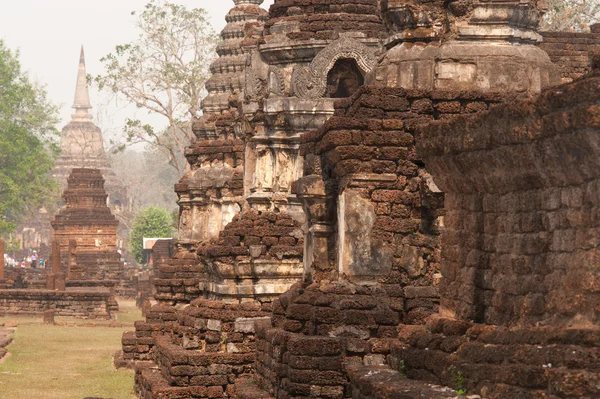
{"points": [[228, 70], [258, 256], [137, 346], [497, 362], [209, 346], [519, 253], [573, 52], [382, 382], [212, 192], [461, 45], [178, 280], [284, 156], [388, 209], [90, 305], [302, 20], [520, 186], [87, 220]]}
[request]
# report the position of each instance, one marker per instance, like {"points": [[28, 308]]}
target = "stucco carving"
{"points": [[276, 81], [256, 77], [310, 81], [255, 86]]}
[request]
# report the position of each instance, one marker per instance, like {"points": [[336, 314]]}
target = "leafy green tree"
{"points": [[571, 15], [163, 72], [150, 222], [27, 143]]}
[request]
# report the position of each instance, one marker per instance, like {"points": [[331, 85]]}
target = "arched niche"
{"points": [[311, 82], [344, 79]]}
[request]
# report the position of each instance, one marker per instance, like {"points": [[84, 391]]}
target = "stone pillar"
{"points": [[56, 278], [311, 191], [49, 316], [72, 260], [55, 257], [1, 259]]}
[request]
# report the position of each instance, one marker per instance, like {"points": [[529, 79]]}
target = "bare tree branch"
{"points": [[164, 72]]}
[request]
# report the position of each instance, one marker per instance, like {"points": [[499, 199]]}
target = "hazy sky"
{"points": [[49, 33]]}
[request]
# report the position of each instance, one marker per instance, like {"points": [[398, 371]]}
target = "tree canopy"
{"points": [[150, 222], [27, 145], [163, 72], [571, 15]]}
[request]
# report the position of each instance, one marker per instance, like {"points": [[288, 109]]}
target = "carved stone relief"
{"points": [[256, 77], [264, 170], [286, 170], [310, 82], [276, 81]]}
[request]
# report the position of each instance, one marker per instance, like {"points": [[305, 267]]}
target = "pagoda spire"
{"points": [[82, 95]]}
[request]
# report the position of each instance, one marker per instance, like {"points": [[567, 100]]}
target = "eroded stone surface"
{"points": [[344, 179]]}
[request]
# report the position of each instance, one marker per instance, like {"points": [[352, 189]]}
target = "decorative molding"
{"points": [[276, 81], [310, 82], [255, 79]]}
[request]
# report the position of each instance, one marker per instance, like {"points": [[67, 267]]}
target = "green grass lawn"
{"points": [[66, 362]]}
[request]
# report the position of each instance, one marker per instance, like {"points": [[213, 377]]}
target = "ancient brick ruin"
{"points": [[81, 146], [386, 199], [85, 270], [86, 229]]}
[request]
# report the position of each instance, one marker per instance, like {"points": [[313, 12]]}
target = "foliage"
{"points": [[459, 382], [27, 148], [164, 73], [571, 15], [148, 178], [151, 222]]}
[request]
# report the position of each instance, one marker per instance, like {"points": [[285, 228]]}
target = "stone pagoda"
{"points": [[212, 193], [88, 221], [82, 145], [352, 111]]}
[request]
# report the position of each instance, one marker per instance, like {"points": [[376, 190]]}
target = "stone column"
{"points": [[55, 257], [311, 191], [56, 278], [72, 258], [2, 259]]}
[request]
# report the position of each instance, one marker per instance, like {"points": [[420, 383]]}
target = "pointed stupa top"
{"points": [[82, 95]]}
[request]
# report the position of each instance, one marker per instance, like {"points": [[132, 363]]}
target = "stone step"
{"points": [[246, 388], [368, 382]]}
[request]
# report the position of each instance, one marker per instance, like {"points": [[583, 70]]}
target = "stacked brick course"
{"points": [[250, 255], [373, 134], [178, 281], [88, 221], [573, 52], [205, 347], [499, 362], [380, 382], [208, 347], [325, 20], [138, 345], [535, 214], [366, 312], [519, 248], [368, 146], [65, 303], [211, 193]]}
